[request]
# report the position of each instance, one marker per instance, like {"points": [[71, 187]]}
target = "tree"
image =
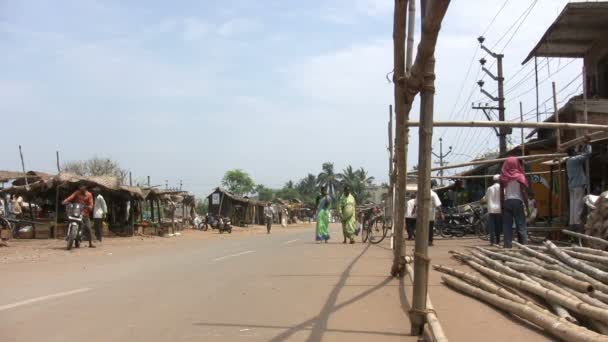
{"points": [[358, 181], [202, 206], [96, 167], [238, 182], [328, 178], [264, 193], [288, 192], [307, 188]]}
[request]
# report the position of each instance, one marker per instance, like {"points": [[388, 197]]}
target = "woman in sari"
{"points": [[347, 215], [323, 202], [513, 198]]}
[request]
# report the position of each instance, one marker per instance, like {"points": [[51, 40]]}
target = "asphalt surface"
{"points": [[258, 287]]}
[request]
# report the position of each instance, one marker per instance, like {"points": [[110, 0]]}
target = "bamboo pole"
{"points": [[575, 284], [537, 254], [402, 108], [521, 119], [550, 295], [586, 237], [588, 257], [562, 330], [578, 140], [411, 29], [486, 176], [496, 161], [431, 315], [513, 124], [588, 250], [556, 113], [577, 264], [391, 178]]}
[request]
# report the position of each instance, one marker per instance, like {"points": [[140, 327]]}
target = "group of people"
{"points": [[508, 203], [12, 207], [346, 212], [411, 213]]}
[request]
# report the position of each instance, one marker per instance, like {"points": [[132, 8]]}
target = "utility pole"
{"points": [[148, 181], [441, 156], [180, 185], [130, 179], [166, 184], [499, 78]]}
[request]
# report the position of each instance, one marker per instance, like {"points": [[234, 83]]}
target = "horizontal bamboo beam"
{"points": [[576, 141], [513, 124], [494, 161], [490, 176]]}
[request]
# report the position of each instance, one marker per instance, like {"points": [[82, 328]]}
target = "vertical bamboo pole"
{"points": [[521, 118], [411, 26], [391, 178], [401, 112], [57, 196], [425, 132], [556, 111], [559, 140], [586, 119]]}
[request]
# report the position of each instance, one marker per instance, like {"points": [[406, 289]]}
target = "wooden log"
{"points": [[549, 295], [560, 329], [588, 257], [577, 264], [586, 237], [514, 124], [488, 285], [546, 258], [597, 285], [502, 256], [588, 250], [573, 283], [500, 267], [599, 295]]}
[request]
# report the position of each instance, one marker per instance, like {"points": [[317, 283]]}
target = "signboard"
{"points": [[215, 199]]}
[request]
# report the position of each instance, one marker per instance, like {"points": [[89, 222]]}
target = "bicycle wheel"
{"points": [[376, 232], [365, 232], [445, 229], [387, 230]]}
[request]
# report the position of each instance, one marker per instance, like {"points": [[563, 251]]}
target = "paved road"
{"points": [[278, 287]]}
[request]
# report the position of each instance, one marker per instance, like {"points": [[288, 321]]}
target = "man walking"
{"points": [[492, 198], [577, 183], [269, 215], [83, 197], [99, 212], [410, 217], [435, 203]]}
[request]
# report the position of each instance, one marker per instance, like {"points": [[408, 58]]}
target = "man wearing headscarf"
{"points": [[513, 198]]}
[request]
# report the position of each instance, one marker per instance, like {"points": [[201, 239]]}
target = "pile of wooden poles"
{"points": [[597, 222], [563, 290]]}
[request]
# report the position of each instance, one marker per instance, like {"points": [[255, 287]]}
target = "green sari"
{"points": [[347, 216], [322, 231]]}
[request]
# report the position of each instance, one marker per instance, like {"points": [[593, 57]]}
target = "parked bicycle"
{"points": [[374, 226]]}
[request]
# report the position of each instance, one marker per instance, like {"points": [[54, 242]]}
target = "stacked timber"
{"points": [[563, 290], [597, 222]]}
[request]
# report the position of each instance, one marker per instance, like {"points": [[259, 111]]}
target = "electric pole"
{"points": [[441, 156], [499, 78]]}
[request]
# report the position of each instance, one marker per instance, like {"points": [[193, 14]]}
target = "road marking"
{"points": [[43, 298], [291, 241], [233, 255]]}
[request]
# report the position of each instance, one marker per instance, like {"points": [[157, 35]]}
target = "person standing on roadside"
{"points": [[16, 206], [492, 199], [347, 215], [513, 198], [577, 183], [435, 211], [322, 228], [269, 215], [410, 217], [100, 210], [84, 198]]}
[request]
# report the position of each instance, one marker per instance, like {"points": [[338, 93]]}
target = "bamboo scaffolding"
{"points": [[576, 141], [513, 124], [494, 161], [558, 328], [486, 176]]}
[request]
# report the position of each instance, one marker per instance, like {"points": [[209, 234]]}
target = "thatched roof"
{"points": [[6, 176]]}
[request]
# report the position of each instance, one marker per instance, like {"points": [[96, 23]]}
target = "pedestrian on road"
{"points": [[435, 211], [269, 215], [577, 183], [492, 199], [16, 206], [83, 197], [410, 217], [513, 197], [323, 203], [100, 210], [347, 215]]}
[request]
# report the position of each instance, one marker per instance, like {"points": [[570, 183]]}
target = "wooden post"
{"points": [[586, 119], [391, 178], [551, 180], [56, 197], [556, 110], [401, 113], [521, 118], [411, 28]]}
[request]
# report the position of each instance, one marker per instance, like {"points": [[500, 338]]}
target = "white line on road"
{"points": [[40, 299], [291, 241], [233, 255]]}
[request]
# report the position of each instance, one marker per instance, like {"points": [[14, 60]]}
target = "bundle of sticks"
{"points": [[563, 290]]}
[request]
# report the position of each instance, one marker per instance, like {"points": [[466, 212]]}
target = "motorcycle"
{"points": [[222, 224], [75, 231], [457, 224]]}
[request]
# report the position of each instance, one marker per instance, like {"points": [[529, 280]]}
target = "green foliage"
{"points": [[288, 192], [308, 190], [264, 193], [359, 182], [202, 206], [327, 177], [238, 182]]}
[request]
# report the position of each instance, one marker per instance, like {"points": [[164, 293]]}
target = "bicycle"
{"points": [[375, 229]]}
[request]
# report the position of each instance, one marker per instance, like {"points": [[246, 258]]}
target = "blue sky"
{"points": [[189, 89]]}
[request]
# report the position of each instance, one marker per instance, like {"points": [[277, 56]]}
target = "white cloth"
{"points": [[493, 199], [513, 191], [435, 203], [269, 212], [576, 204], [2, 208], [100, 208], [409, 209], [16, 206]]}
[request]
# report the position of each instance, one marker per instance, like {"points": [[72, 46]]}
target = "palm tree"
{"points": [[347, 177], [328, 178], [307, 187]]}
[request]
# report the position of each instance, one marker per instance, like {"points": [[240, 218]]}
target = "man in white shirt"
{"points": [[410, 217], [492, 199], [435, 203], [100, 209], [269, 215]]}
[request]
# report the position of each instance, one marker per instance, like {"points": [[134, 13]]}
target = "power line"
{"points": [[540, 82], [494, 18]]}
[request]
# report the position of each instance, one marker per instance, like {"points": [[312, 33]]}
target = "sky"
{"points": [[186, 90]]}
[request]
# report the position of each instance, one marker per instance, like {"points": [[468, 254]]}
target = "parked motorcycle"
{"points": [[75, 230], [222, 224], [459, 224]]}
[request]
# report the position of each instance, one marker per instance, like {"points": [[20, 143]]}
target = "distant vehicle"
{"points": [[222, 224], [75, 232]]}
